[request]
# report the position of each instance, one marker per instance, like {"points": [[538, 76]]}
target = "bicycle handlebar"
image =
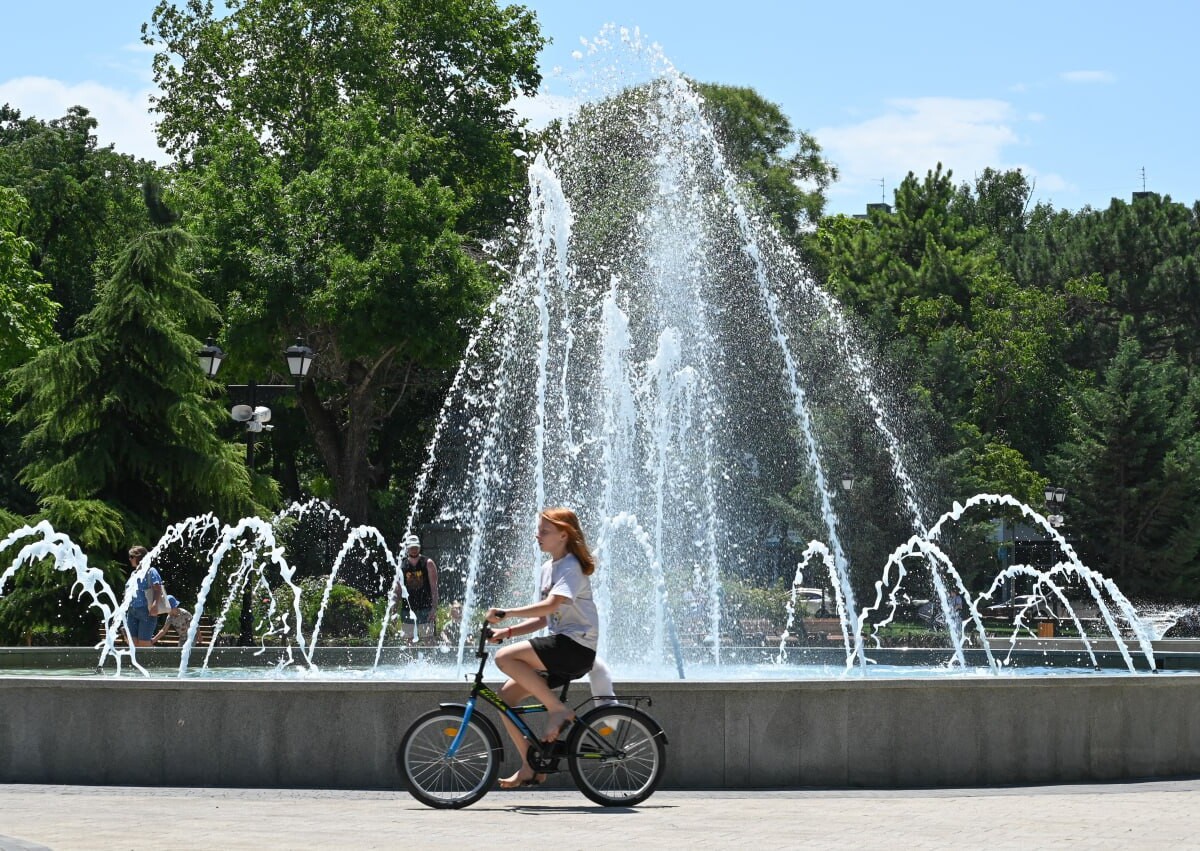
{"points": [[485, 632]]}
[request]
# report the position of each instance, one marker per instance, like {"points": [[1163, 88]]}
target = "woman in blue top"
{"points": [[142, 625], [569, 612]]}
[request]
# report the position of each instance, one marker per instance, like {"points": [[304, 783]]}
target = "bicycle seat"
{"points": [[558, 679]]}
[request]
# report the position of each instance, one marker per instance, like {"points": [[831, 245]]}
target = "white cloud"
{"points": [[123, 117], [915, 134], [1051, 182], [543, 108], [1088, 76]]}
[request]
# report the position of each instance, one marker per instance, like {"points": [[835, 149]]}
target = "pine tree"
{"points": [[122, 435], [1135, 457]]}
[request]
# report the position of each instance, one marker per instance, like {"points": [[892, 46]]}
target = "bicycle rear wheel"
{"points": [[432, 775], [616, 755]]}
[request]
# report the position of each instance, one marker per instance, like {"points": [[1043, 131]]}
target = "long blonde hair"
{"points": [[565, 520]]}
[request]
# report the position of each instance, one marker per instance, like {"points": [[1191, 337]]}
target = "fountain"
{"points": [[659, 361]]}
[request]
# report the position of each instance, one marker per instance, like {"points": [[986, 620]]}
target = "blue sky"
{"points": [[1082, 96]]}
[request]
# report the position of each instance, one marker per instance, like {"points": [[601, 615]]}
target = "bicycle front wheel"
{"points": [[437, 778], [616, 755]]}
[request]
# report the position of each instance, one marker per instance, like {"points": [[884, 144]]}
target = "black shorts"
{"points": [[565, 659]]}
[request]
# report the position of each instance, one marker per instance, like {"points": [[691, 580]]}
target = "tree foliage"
{"points": [[121, 437], [26, 311], [85, 202], [785, 166], [1134, 457], [1051, 346], [342, 162], [984, 349]]}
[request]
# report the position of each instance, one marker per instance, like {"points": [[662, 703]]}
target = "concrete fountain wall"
{"points": [[842, 733]]}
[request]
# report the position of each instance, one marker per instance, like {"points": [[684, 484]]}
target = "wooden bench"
{"points": [[204, 636], [763, 631], [821, 629]]}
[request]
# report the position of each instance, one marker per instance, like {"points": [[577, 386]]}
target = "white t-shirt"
{"points": [[577, 617]]}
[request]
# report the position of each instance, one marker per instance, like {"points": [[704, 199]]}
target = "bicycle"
{"points": [[450, 757]]}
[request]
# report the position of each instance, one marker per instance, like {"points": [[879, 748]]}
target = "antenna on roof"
{"points": [[1143, 178], [882, 190]]}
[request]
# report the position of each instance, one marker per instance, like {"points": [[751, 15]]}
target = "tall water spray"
{"points": [[646, 366]]}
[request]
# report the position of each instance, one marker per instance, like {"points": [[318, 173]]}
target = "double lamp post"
{"points": [[248, 409]]}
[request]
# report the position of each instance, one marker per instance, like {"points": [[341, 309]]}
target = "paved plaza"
{"points": [[1162, 814]]}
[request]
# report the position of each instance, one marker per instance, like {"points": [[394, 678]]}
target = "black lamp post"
{"points": [[247, 409], [848, 482]]}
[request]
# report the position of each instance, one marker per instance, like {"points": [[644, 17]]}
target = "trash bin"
{"points": [[1045, 629]]}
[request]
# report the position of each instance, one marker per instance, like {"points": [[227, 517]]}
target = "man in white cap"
{"points": [[419, 575]]}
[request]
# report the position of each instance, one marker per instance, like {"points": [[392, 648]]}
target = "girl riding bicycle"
{"points": [[568, 651]]}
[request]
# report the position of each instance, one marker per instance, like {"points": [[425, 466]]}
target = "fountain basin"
{"points": [[849, 732]]}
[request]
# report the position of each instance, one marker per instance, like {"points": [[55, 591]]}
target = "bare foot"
{"points": [[522, 778], [556, 722]]}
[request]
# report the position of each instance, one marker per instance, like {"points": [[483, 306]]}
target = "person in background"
{"points": [[452, 631], [419, 575], [955, 600], [138, 619], [178, 619]]}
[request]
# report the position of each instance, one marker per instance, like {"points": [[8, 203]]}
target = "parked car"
{"points": [[810, 602], [1029, 606]]}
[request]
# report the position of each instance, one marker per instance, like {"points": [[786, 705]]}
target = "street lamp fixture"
{"points": [[210, 356], [848, 482], [1055, 497], [299, 358]]}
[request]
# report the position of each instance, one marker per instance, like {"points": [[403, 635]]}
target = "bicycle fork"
{"points": [[462, 728]]}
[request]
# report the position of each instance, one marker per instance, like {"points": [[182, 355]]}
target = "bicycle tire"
{"points": [[448, 783], [616, 755]]}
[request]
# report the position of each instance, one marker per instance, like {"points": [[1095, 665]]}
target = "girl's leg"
{"points": [[522, 664], [513, 693]]}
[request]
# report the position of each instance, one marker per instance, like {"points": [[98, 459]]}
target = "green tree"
{"points": [[84, 202], [26, 311], [785, 166], [1146, 255], [1134, 457], [982, 349], [919, 259], [344, 162], [999, 203], [121, 437], [26, 325]]}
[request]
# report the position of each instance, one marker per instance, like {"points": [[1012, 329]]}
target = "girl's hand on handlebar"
{"points": [[494, 615]]}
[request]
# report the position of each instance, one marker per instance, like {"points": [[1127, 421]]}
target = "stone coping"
{"points": [[1170, 654]]}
